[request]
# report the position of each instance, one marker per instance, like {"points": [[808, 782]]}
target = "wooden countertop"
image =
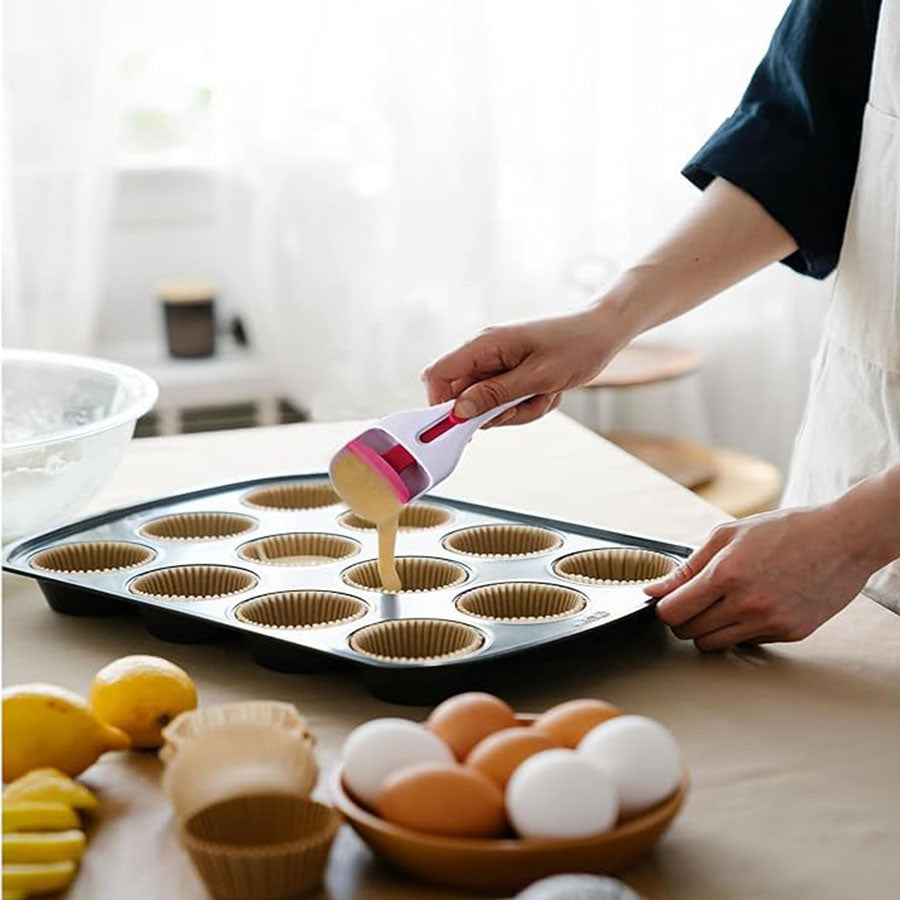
{"points": [[794, 751]]}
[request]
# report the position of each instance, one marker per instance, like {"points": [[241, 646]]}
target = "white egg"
{"points": [[378, 748], [577, 887], [641, 757], [560, 794]]}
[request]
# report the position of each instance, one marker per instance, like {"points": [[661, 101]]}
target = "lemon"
{"points": [[37, 878], [38, 815], [45, 846], [46, 725], [141, 695], [52, 786]]}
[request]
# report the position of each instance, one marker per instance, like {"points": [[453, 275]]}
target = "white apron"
{"points": [[852, 424]]}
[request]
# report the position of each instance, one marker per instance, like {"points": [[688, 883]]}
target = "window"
{"points": [[163, 72]]}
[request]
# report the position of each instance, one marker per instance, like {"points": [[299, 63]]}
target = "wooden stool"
{"points": [[647, 363], [736, 482]]}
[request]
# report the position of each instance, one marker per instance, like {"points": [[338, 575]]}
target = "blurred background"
{"points": [[284, 209]]}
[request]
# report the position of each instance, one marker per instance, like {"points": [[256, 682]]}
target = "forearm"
{"points": [[727, 237], [868, 515]]}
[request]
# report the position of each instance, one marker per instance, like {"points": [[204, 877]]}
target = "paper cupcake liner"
{"points": [[521, 601], [299, 549], [187, 726], [193, 583], [306, 495], [198, 526], [508, 541], [301, 609], [413, 517], [416, 640], [417, 573], [237, 759], [620, 565], [92, 557], [265, 846]]}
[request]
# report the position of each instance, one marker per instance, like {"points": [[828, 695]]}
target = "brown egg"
{"points": [[463, 720], [443, 798], [500, 753], [567, 723]]}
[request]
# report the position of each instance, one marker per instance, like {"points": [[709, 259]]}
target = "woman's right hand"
{"points": [[543, 357]]}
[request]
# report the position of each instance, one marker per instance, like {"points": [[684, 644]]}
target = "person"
{"points": [[806, 171]]}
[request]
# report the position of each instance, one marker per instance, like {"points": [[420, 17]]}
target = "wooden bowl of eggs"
{"points": [[480, 798]]}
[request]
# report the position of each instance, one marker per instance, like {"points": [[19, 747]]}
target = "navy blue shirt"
{"points": [[793, 143]]}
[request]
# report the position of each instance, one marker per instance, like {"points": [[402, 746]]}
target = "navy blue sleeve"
{"points": [[793, 142]]}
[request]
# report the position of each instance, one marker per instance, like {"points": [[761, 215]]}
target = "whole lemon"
{"points": [[46, 725], [141, 695]]}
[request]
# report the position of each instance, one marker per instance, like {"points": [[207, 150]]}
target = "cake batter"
{"points": [[372, 498]]}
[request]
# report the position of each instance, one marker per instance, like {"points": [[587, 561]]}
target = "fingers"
{"points": [[469, 363], [693, 565], [723, 638], [719, 615], [492, 392], [528, 411]]}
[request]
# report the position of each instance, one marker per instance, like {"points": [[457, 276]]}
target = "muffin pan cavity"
{"points": [[521, 601], [417, 640], [193, 583], [92, 557], [503, 541], [301, 609], [619, 565], [299, 549], [416, 573], [296, 496], [281, 564], [415, 517], [198, 526]]}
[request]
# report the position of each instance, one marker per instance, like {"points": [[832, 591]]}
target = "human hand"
{"points": [[771, 577], [542, 357]]}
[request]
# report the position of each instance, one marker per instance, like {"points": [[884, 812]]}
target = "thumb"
{"points": [[689, 568], [493, 392]]}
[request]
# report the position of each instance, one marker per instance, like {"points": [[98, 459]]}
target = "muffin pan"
{"points": [[281, 562]]}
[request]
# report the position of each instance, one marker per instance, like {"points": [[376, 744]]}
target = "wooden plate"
{"points": [[506, 864]]}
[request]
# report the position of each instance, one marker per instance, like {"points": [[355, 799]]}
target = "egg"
{"points": [[443, 798], [640, 756], [567, 723], [577, 887], [500, 753], [464, 720], [561, 794], [378, 748]]}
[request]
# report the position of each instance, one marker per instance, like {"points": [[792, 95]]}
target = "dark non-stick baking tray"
{"points": [[146, 540]]}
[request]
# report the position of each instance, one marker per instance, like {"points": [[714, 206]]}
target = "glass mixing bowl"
{"points": [[66, 421]]}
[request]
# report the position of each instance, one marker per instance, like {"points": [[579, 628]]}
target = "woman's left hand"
{"points": [[771, 577]]}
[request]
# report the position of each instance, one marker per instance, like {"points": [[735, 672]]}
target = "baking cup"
{"points": [[198, 526], [507, 541], [304, 495], [413, 517], [301, 609], [417, 573], [236, 759], [193, 583], [265, 846], [299, 549], [416, 640], [620, 565], [195, 722], [91, 557], [521, 601]]}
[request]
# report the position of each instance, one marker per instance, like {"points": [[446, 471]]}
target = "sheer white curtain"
{"points": [[402, 173], [57, 172]]}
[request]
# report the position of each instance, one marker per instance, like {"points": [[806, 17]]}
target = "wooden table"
{"points": [[794, 751]]}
